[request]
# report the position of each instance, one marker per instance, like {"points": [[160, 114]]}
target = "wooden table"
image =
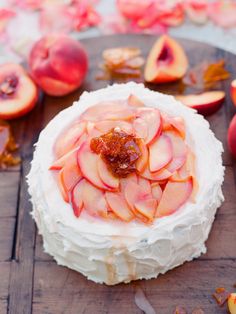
{"points": [[31, 282]]}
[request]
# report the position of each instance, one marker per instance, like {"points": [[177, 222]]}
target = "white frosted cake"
{"points": [[125, 184]]}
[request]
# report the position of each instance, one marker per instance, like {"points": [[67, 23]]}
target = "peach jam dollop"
{"points": [[119, 150]]}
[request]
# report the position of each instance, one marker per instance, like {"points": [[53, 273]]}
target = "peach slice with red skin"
{"points": [[166, 62], [173, 123], [108, 111], [94, 200], [143, 159], [160, 175], [233, 91], [152, 118], [60, 163], [77, 198], [18, 93], [206, 103], [67, 140], [160, 153], [141, 128], [174, 195], [119, 206], [232, 136], [146, 208], [156, 191], [135, 101], [58, 64], [106, 176], [88, 161]]}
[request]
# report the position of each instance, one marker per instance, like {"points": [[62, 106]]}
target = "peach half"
{"points": [[232, 303], [206, 103], [58, 64], [18, 93], [233, 91], [166, 62], [232, 136]]}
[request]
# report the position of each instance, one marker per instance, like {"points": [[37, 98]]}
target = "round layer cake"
{"points": [[125, 184]]}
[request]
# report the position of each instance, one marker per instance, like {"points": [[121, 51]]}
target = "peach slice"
{"points": [[135, 101], [160, 175], [108, 111], [106, 125], [106, 176], [160, 153], [67, 140], [94, 200], [69, 176], [60, 163], [179, 151], [156, 191], [205, 103], [233, 91], [232, 303], [141, 128], [143, 159], [77, 198], [173, 123], [174, 195], [232, 136], [145, 184], [119, 206], [88, 162], [166, 62], [124, 181], [152, 118], [18, 93], [146, 208], [135, 193]]}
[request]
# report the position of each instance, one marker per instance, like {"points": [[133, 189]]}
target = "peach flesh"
{"points": [[58, 64]]}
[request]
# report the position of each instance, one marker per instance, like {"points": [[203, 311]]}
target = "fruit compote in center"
{"points": [[123, 160]]}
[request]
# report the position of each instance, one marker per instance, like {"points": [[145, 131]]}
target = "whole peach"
{"points": [[232, 136], [58, 64]]}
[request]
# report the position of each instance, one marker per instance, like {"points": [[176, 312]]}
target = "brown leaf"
{"points": [[216, 72], [180, 310], [221, 295]]}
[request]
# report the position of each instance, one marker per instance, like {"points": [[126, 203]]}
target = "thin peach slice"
{"points": [[106, 125], [88, 161], [119, 206], [174, 123], [233, 91], [180, 151], [60, 163], [174, 196], [124, 181], [166, 61], [153, 121], [206, 103], [77, 198], [67, 140], [160, 153], [135, 101], [160, 175], [232, 136], [108, 111], [156, 191], [143, 159], [94, 200], [145, 184], [146, 208], [106, 176], [141, 128], [134, 193]]}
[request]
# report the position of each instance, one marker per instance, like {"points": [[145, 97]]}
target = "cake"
{"points": [[125, 184]]}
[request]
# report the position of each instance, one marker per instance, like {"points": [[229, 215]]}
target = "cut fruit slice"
{"points": [[146, 208], [94, 200], [160, 153], [108, 111], [232, 303], [153, 121], [160, 175], [166, 61], [67, 140], [156, 191], [180, 151], [77, 198], [173, 123], [135, 193], [143, 159], [88, 162], [124, 181], [145, 184], [232, 136], [135, 101], [119, 206], [233, 91], [141, 128], [106, 176], [60, 163], [205, 103], [174, 195]]}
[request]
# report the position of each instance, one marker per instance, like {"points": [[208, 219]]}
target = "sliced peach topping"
{"points": [[125, 161]]}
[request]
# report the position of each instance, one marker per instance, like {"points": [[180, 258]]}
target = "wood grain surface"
{"points": [[31, 282]]}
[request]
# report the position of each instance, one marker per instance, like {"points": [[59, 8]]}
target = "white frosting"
{"points": [[120, 252]]}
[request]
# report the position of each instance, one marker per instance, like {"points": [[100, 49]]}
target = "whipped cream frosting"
{"points": [[113, 252]]}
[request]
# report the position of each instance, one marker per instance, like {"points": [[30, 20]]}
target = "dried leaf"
{"points": [[221, 296], [215, 72]]}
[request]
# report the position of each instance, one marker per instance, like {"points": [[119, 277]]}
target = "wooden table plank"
{"points": [[9, 186], [7, 227]]}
